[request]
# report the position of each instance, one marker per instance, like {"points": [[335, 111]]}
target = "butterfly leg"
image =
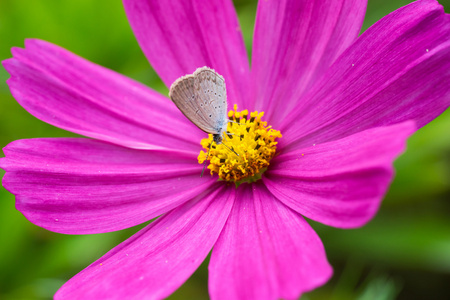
{"points": [[206, 159]]}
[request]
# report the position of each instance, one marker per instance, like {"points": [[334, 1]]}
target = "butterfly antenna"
{"points": [[230, 149], [206, 160], [233, 134], [226, 136], [231, 121]]}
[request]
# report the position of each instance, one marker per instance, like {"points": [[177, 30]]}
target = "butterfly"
{"points": [[202, 98]]}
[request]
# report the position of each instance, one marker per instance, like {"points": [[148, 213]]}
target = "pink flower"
{"points": [[344, 105]]}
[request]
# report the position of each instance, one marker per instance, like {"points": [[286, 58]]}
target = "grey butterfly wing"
{"points": [[201, 97], [211, 92]]}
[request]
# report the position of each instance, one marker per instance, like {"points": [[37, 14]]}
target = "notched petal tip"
{"points": [[396, 70], [158, 259], [266, 251], [110, 106], [92, 186], [340, 183], [4, 163]]}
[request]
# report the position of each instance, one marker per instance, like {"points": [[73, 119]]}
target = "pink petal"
{"points": [[179, 36], [398, 70], [69, 92], [340, 183], [295, 42], [80, 186], [266, 251], [158, 259]]}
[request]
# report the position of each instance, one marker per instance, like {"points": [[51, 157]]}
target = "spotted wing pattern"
{"points": [[202, 98]]}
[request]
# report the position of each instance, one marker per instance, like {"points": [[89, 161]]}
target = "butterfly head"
{"points": [[217, 138]]}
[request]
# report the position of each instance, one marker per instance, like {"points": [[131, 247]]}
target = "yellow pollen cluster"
{"points": [[249, 137]]}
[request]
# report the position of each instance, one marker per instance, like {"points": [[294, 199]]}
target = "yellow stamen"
{"points": [[249, 137]]}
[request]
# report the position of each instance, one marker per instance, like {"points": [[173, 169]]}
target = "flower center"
{"points": [[246, 150]]}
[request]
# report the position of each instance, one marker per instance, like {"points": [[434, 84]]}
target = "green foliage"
{"points": [[403, 253]]}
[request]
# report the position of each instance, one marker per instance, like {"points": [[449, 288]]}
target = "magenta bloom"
{"points": [[344, 105]]}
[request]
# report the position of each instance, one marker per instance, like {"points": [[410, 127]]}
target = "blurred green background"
{"points": [[403, 253]]}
